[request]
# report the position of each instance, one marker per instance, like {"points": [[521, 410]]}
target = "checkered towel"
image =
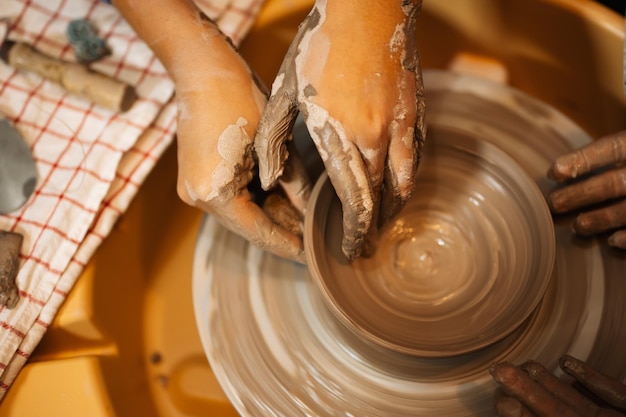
{"points": [[90, 160]]}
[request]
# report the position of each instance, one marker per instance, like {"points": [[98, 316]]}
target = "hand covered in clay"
{"points": [[353, 71], [219, 106], [531, 390], [605, 159]]}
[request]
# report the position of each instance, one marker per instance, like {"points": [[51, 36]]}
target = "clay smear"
{"points": [[233, 146], [398, 47], [319, 120]]}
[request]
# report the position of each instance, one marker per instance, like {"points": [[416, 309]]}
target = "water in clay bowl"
{"points": [[459, 268]]}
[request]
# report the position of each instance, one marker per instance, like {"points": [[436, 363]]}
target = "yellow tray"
{"points": [[125, 342]]}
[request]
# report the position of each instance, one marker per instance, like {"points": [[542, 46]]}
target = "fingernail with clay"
{"points": [[572, 366], [531, 367], [618, 239], [557, 200], [502, 372]]}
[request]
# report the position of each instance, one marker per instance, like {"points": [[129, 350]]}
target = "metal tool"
{"points": [[18, 173]]}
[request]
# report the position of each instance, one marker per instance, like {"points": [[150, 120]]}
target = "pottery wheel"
{"points": [[278, 351]]}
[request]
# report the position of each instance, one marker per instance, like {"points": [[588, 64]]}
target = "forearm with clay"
{"points": [[207, 72]]}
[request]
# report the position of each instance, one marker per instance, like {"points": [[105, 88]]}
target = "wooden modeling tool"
{"points": [[10, 245], [75, 78]]}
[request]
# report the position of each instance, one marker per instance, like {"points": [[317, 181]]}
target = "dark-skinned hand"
{"points": [[603, 167], [531, 390]]}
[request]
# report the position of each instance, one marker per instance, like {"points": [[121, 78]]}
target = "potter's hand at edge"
{"points": [[353, 70], [606, 186], [531, 389], [219, 106]]}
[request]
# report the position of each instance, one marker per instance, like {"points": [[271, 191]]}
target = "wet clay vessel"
{"points": [[459, 268], [276, 348]]}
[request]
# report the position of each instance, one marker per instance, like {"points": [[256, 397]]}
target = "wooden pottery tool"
{"points": [[75, 78], [10, 245]]}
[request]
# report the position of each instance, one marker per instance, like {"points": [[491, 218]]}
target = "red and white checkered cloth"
{"points": [[90, 160]]}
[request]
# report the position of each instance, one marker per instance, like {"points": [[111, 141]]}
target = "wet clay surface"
{"points": [[459, 268], [293, 356]]}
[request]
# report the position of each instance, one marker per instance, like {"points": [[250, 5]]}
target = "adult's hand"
{"points": [[219, 106], [353, 71], [531, 390], [605, 160]]}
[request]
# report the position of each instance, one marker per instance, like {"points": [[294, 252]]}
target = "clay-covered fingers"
{"points": [[408, 130], [596, 189], [274, 131], [618, 239], [610, 184], [247, 219], [361, 95], [408, 135], [223, 193], [600, 220], [350, 176], [564, 392], [603, 161], [278, 159], [608, 187], [606, 388], [518, 384], [348, 171], [295, 181], [530, 389], [605, 151], [278, 117]]}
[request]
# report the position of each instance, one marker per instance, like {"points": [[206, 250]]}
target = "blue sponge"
{"points": [[88, 46]]}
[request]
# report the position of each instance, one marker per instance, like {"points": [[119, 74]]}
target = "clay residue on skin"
{"points": [[398, 39], [356, 164], [278, 83], [328, 134], [568, 167], [280, 211], [406, 169], [234, 170], [203, 19], [270, 144], [403, 45], [295, 181], [275, 128], [603, 152], [608, 389], [234, 146], [277, 121], [357, 220], [618, 239], [330, 139]]}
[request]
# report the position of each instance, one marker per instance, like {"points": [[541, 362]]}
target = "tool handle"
{"points": [[75, 78]]}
